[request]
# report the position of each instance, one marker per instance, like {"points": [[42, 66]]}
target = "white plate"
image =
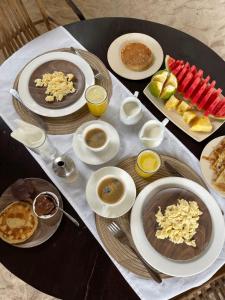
{"points": [[177, 119], [105, 210], [23, 85], [207, 172], [161, 263], [96, 158], [114, 55]]}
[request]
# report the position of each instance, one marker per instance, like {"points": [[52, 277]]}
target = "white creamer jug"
{"points": [[152, 133], [131, 110]]}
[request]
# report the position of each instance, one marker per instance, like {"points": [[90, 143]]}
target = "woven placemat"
{"points": [[121, 253], [69, 123]]}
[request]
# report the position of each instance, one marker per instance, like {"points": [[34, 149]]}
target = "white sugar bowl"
{"points": [[131, 110]]}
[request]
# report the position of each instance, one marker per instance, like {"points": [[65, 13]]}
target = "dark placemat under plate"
{"points": [[69, 123], [121, 253]]}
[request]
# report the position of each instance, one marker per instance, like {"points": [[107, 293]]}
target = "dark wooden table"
{"points": [[72, 265]]}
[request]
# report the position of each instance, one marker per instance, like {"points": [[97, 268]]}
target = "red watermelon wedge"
{"points": [[192, 87], [209, 91]]}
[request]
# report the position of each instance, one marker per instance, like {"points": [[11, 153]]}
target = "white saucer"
{"points": [[162, 263], [23, 85], [207, 172], [114, 55], [106, 210], [96, 158]]}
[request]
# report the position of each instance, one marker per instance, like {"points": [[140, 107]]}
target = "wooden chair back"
{"points": [[16, 27]]}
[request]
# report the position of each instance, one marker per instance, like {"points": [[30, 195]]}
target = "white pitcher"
{"points": [[152, 133], [131, 110]]}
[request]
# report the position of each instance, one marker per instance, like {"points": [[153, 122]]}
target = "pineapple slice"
{"points": [[189, 116], [172, 103], [202, 124], [182, 107]]}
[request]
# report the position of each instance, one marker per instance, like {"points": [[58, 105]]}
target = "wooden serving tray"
{"points": [[121, 253]]}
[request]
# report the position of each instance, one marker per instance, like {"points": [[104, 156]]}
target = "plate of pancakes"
{"points": [[19, 225], [135, 56]]}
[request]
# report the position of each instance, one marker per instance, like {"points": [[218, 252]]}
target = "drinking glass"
{"points": [[148, 162], [97, 100]]}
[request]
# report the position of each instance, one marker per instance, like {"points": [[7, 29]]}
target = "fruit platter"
{"points": [[188, 97]]}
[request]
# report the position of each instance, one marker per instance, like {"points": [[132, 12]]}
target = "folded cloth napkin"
{"points": [[130, 145]]}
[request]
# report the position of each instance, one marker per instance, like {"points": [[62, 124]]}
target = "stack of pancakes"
{"points": [[17, 222], [136, 56]]}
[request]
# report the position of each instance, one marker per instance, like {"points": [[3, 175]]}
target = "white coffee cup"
{"points": [[122, 197], [82, 137], [152, 133], [131, 110]]}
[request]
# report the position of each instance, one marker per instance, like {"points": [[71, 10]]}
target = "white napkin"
{"points": [[29, 135]]}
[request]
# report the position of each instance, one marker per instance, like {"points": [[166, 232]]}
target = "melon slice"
{"points": [[214, 95], [202, 102], [214, 107], [169, 62], [192, 87], [177, 69], [185, 82], [200, 92], [183, 72]]}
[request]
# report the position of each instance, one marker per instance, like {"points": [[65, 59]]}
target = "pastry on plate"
{"points": [[136, 56], [17, 222], [217, 164]]}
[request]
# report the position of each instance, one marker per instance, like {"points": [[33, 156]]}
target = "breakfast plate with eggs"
{"points": [[53, 84], [201, 237], [135, 56]]}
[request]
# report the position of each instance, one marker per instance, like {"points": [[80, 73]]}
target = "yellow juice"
{"points": [[148, 162], [97, 100]]}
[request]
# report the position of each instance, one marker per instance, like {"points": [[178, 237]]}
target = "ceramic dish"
{"points": [[96, 158], [26, 190], [121, 207], [177, 119], [207, 172], [161, 263], [23, 85], [114, 55]]}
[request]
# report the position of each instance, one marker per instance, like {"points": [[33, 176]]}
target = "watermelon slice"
{"points": [[214, 95], [218, 107], [192, 87], [177, 69], [214, 107], [208, 92], [183, 72], [199, 93], [199, 73], [221, 113], [185, 82], [169, 62], [193, 69]]}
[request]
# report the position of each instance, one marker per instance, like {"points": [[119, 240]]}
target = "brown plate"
{"points": [[26, 190], [165, 247], [38, 93]]}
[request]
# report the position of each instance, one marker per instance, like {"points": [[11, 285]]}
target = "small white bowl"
{"points": [[56, 199]]}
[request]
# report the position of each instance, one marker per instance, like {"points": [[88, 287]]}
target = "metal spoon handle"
{"points": [[69, 217]]}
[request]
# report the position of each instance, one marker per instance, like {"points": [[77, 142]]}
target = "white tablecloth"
{"points": [[130, 145]]}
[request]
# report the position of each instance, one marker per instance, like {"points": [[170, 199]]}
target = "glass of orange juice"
{"points": [[97, 100], [148, 162]]}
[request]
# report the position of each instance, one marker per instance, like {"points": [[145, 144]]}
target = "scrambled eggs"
{"points": [[179, 222], [58, 85]]}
